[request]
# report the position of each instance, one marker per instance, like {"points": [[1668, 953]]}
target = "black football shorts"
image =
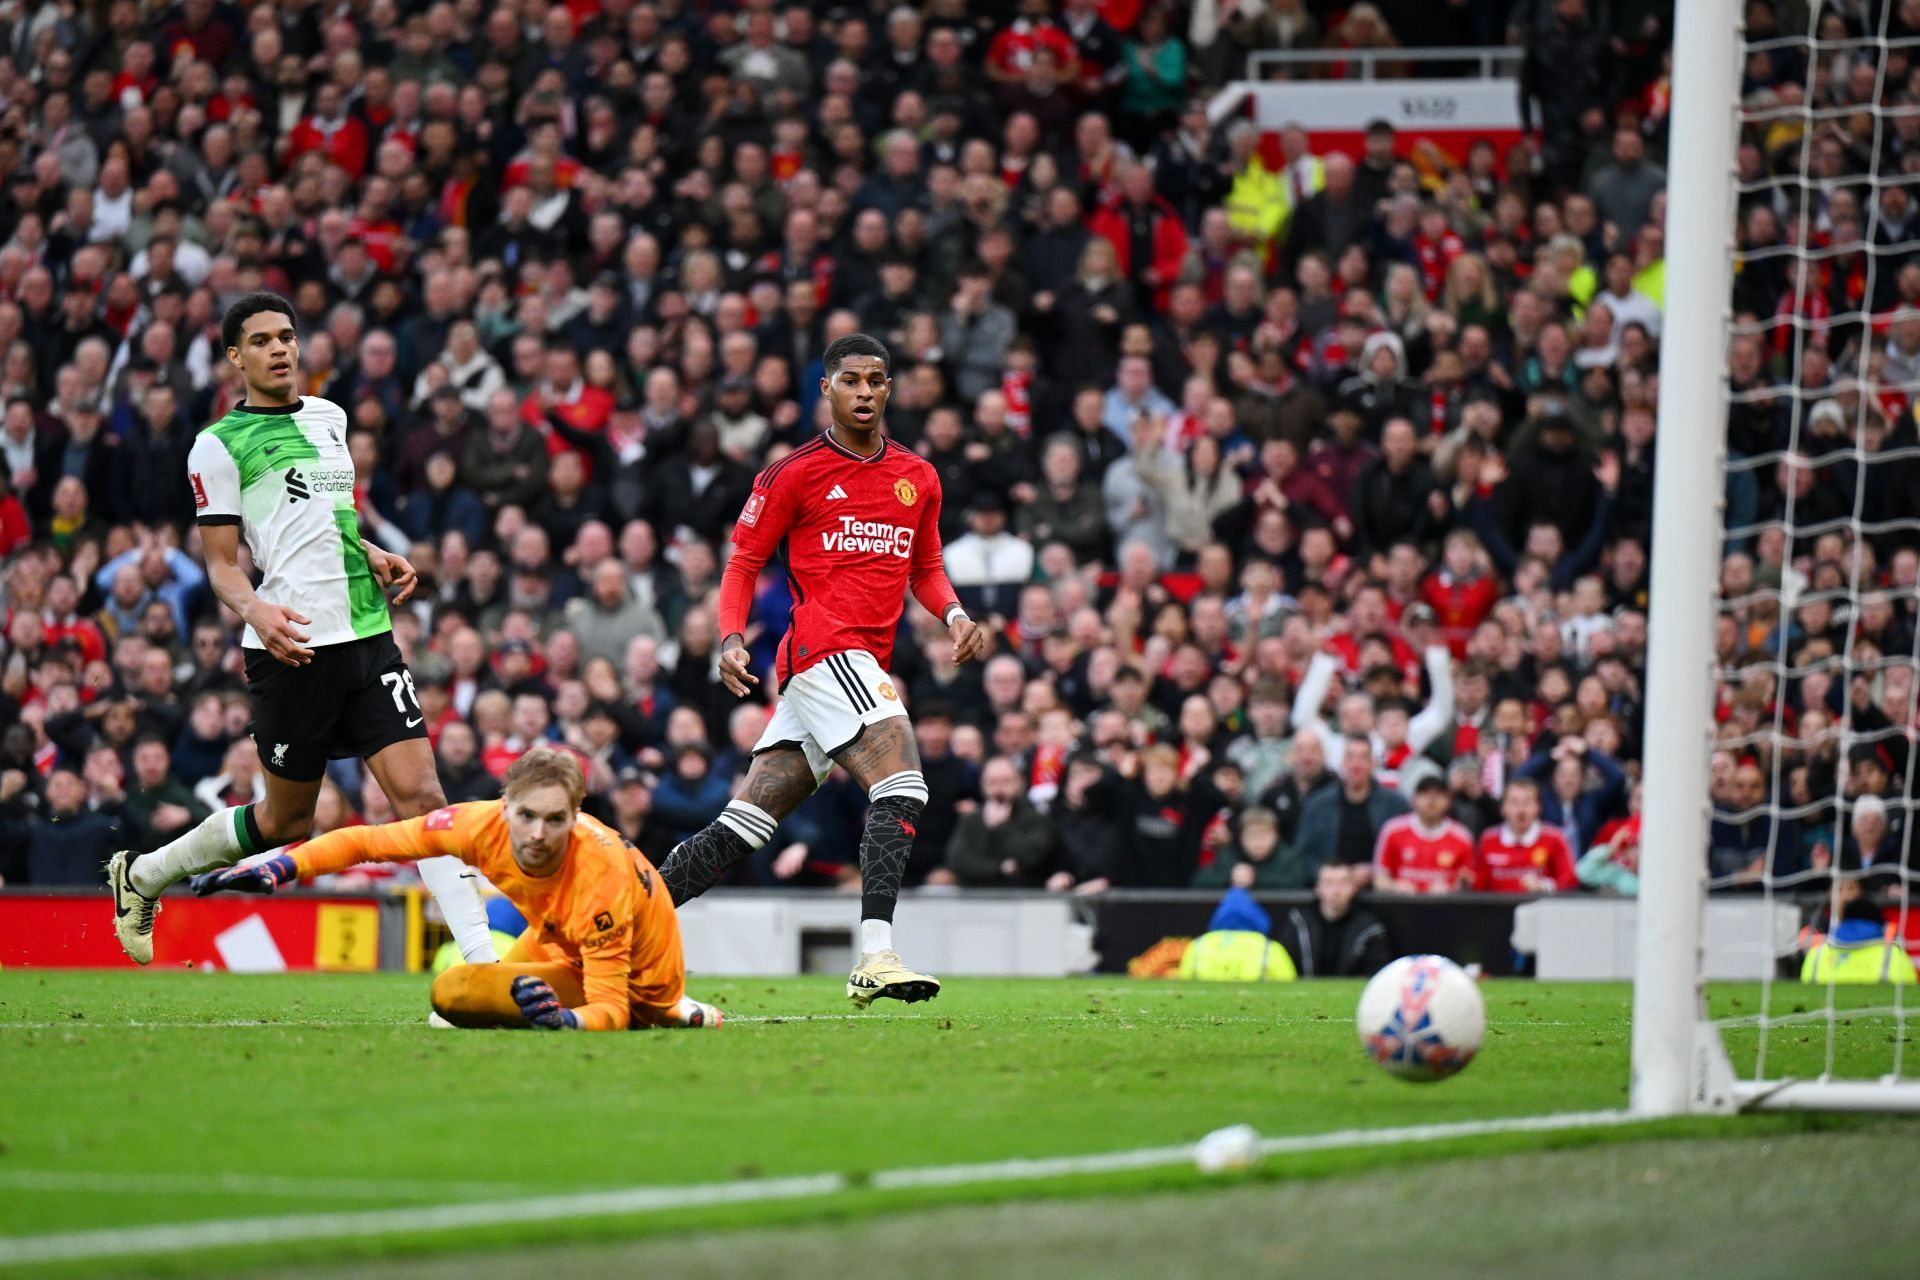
{"points": [[353, 700]]}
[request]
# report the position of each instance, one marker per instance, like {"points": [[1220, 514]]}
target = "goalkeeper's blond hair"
{"points": [[546, 767]]}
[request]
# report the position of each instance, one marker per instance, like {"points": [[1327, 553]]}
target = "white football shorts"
{"points": [[826, 707]]}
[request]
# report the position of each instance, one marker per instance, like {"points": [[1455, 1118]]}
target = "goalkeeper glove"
{"points": [[540, 1006], [257, 877]]}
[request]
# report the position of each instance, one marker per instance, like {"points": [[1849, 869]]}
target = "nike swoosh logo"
{"points": [[270, 450], [415, 721], [119, 910]]}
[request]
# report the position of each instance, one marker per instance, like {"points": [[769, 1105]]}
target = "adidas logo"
{"points": [[837, 493]]}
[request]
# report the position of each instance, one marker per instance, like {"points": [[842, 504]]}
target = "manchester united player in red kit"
{"points": [[856, 521]]}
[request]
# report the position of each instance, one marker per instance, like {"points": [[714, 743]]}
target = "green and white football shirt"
{"points": [[285, 477]]}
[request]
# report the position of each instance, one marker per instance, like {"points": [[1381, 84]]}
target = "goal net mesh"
{"points": [[1815, 758]]}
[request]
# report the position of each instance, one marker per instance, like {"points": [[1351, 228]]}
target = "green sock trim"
{"points": [[245, 833]]}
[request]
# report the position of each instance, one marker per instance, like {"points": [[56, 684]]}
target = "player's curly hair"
{"points": [[855, 344], [546, 767], [246, 308]]}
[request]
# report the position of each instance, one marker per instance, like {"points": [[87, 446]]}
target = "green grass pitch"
{"points": [[134, 1100]]}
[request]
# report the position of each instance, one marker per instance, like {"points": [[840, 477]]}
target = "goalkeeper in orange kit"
{"points": [[602, 947]]}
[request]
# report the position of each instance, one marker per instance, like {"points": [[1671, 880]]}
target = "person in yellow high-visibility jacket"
{"points": [[1875, 960], [1857, 950], [1236, 948], [1258, 203], [1650, 264]]}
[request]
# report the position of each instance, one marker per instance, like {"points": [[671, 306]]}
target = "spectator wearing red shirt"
{"points": [[137, 80], [1285, 484], [1436, 245], [1145, 233], [564, 170], [1521, 855], [15, 531], [1011, 53], [331, 130], [235, 95], [1424, 852], [1367, 620], [567, 396], [374, 226], [1461, 592], [59, 621], [1802, 308]]}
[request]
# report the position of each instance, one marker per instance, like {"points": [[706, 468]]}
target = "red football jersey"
{"points": [[854, 534], [1346, 647], [1427, 861], [1459, 605], [1536, 861]]}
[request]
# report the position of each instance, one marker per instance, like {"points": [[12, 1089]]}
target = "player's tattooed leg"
{"points": [[776, 784], [881, 750], [886, 762], [778, 781]]}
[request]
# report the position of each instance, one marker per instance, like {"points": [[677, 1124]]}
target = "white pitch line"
{"points": [[31, 1180], [75, 1246], [1154, 1157], [1341, 1139], [955, 1175]]}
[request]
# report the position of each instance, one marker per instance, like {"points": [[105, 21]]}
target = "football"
{"points": [[1421, 1018]]}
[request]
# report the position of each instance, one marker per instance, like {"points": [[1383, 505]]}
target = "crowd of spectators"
{"points": [[1299, 489]]}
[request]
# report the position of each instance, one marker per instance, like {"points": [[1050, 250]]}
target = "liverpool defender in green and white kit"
{"points": [[325, 677]]}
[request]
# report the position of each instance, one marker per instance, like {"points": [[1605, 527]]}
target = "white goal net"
{"points": [[1804, 339]]}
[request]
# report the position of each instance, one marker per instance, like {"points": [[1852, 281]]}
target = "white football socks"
{"points": [[216, 842], [875, 935], [455, 886], [751, 823]]}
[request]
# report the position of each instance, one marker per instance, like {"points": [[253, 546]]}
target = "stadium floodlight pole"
{"points": [[1689, 460]]}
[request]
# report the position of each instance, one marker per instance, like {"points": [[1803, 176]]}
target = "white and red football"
{"points": [[1421, 1018]]}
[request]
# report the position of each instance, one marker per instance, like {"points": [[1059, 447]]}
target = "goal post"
{"points": [[1689, 461], [1680, 1062]]}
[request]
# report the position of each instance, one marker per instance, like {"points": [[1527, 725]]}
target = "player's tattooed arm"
{"points": [[778, 781], [881, 751]]}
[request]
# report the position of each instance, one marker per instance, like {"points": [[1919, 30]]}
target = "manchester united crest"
{"points": [[886, 690], [904, 490]]}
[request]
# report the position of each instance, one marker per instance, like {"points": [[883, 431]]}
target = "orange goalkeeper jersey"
{"points": [[604, 911]]}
